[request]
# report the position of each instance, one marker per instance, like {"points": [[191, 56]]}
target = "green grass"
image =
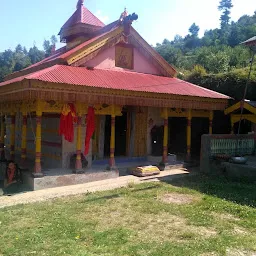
{"points": [[135, 221]]}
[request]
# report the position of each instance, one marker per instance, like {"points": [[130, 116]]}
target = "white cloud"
{"points": [[103, 18]]}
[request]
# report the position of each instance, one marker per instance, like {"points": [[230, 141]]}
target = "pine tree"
{"points": [[225, 6]]}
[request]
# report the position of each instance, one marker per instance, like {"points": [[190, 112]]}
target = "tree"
{"points": [[21, 58], [49, 44], [194, 29], [35, 54], [54, 39], [225, 6]]}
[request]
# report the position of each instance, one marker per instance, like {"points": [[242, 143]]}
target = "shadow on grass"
{"points": [[239, 192], [119, 194]]}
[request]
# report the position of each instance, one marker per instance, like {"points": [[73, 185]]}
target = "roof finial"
{"points": [[79, 3], [123, 14]]}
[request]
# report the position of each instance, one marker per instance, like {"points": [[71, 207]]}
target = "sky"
{"points": [[29, 22]]}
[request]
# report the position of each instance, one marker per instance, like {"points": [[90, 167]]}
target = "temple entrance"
{"points": [[120, 134], [199, 127], [246, 127], [177, 136]]}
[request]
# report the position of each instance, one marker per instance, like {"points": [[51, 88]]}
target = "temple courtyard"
{"points": [[161, 215]]}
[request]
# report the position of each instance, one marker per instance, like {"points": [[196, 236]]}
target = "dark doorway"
{"points": [[120, 135], [199, 126], [245, 128], [177, 136]]}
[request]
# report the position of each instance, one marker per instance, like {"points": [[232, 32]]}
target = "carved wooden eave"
{"points": [[33, 89], [177, 112]]}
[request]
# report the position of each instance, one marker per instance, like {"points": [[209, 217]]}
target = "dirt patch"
{"points": [[209, 254], [176, 198], [240, 231], [237, 252], [225, 216]]}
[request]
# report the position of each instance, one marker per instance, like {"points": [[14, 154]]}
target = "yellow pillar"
{"points": [[210, 121], [12, 152], [24, 138], [2, 155], [165, 143], [232, 125], [112, 138], [39, 111], [79, 138], [189, 118]]}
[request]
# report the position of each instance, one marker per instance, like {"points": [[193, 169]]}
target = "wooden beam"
{"points": [[249, 117], [238, 105]]}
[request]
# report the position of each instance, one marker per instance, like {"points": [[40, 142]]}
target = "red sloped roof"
{"points": [[57, 54], [63, 53], [83, 15], [118, 80]]}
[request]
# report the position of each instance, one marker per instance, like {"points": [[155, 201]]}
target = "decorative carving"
{"points": [[52, 106], [123, 15], [124, 56], [104, 109]]}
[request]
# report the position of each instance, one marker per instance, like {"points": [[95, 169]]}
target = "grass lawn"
{"points": [[193, 216]]}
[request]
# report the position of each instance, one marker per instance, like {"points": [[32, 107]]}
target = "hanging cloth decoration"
{"points": [[67, 119], [90, 128]]}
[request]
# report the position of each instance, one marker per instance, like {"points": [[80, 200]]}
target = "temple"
{"points": [[106, 95]]}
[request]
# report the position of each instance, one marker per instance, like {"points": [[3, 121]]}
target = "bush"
{"points": [[231, 83]]}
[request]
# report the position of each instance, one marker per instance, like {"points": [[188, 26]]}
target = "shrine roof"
{"points": [[251, 41], [58, 57], [83, 15], [118, 80], [245, 104], [252, 103]]}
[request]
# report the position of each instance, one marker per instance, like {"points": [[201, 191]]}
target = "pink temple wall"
{"points": [[106, 60]]}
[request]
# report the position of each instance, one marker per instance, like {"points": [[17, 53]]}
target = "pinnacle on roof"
{"points": [[79, 3], [81, 17]]}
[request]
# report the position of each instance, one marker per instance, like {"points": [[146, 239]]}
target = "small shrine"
{"points": [[244, 110]]}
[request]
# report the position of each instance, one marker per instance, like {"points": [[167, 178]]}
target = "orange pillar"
{"points": [[165, 143], [189, 118], [210, 122], [79, 139], [12, 152], [2, 155], [112, 139], [24, 139], [38, 168]]}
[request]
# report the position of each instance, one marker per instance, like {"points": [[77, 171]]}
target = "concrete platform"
{"points": [[241, 171], [59, 178]]}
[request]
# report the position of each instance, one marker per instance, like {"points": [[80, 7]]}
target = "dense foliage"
{"points": [[20, 58], [217, 60]]}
